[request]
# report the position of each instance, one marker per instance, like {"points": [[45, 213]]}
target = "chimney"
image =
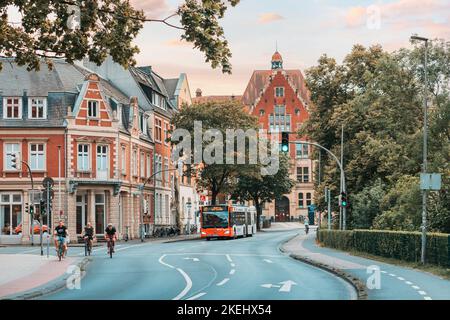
{"points": [[198, 93]]}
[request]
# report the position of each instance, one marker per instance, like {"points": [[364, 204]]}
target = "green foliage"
{"points": [[378, 97], [400, 245], [106, 28], [217, 178]]}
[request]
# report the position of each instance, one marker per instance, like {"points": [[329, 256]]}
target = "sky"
{"points": [[303, 30]]}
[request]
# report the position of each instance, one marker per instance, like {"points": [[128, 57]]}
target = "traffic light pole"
{"points": [[344, 189], [32, 200]]}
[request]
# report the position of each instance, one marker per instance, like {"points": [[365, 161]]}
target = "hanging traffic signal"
{"points": [[15, 161], [27, 208], [285, 142], [344, 201]]}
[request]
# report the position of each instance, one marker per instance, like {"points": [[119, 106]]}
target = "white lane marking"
{"points": [[392, 275], [269, 285], [416, 287], [228, 258], [268, 261], [160, 260], [197, 296], [400, 278], [382, 271], [233, 265], [193, 259], [427, 298], [422, 293], [408, 282], [232, 271], [188, 285], [132, 246], [221, 283]]}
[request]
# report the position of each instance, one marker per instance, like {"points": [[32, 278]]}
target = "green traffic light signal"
{"points": [[285, 142]]}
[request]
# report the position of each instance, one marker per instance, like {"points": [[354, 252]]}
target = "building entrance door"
{"points": [[82, 212], [282, 210]]}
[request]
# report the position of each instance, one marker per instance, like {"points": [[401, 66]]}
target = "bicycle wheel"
{"points": [[86, 249], [60, 251]]}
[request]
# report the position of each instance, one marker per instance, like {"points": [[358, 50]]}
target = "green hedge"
{"points": [[400, 245]]}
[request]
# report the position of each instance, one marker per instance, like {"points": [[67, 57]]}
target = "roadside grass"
{"points": [[433, 269]]}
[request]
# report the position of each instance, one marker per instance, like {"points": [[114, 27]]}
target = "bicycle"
{"points": [[60, 251], [87, 246], [110, 247]]}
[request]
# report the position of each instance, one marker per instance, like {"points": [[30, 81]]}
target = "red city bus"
{"points": [[227, 221]]}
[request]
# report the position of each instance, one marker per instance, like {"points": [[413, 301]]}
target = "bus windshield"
{"points": [[215, 218]]}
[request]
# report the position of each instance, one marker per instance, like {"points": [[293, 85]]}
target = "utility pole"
{"points": [[425, 149], [342, 210], [328, 196]]}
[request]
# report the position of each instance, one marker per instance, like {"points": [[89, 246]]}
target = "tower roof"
{"points": [[277, 57]]}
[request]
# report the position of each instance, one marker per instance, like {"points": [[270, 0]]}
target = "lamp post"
{"points": [[425, 146]]}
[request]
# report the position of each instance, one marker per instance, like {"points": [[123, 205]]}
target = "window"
{"points": [[280, 121], [279, 92], [10, 213], [93, 109], [123, 159], [302, 150], [83, 157], [134, 163], [37, 108], [166, 133], [308, 199], [37, 156], [302, 174], [301, 203], [158, 130], [149, 168], [142, 164], [143, 123], [166, 171], [261, 112], [12, 149], [12, 108]]}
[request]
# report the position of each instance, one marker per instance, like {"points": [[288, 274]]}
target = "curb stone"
{"points": [[355, 282], [50, 287]]}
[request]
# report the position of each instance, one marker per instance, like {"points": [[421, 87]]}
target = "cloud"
{"points": [[177, 43], [153, 8], [269, 17]]}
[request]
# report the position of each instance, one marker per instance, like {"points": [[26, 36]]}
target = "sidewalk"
{"points": [[23, 272], [396, 282]]}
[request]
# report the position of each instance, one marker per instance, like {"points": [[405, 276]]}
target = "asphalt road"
{"points": [[249, 268]]}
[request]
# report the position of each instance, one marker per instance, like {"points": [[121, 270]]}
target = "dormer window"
{"points": [[143, 123], [12, 108], [93, 111], [37, 108], [279, 92], [261, 112]]}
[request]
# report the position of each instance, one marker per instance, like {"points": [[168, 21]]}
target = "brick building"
{"points": [[280, 99]]}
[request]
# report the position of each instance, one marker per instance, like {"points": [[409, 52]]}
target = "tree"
{"points": [[218, 177], [74, 29], [260, 189]]}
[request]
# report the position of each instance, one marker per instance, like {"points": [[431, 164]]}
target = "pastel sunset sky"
{"points": [[304, 29]]}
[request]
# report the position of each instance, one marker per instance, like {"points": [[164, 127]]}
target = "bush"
{"points": [[400, 245]]}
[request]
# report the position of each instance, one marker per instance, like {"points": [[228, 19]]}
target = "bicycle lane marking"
{"points": [[184, 274]]}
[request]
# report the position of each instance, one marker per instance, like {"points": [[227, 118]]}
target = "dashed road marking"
{"points": [[221, 283], [400, 278], [416, 287], [408, 282], [228, 258], [233, 265], [197, 296], [392, 275], [232, 271], [422, 293], [427, 298]]}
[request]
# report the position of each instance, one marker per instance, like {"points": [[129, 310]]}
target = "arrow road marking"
{"points": [[268, 261], [285, 285], [193, 259], [221, 283]]}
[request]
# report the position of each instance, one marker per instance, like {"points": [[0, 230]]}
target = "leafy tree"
{"points": [[104, 28], [216, 177], [252, 186]]}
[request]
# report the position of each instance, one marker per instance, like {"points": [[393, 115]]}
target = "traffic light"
{"points": [[27, 208], [42, 207], [15, 161], [344, 201], [285, 142]]}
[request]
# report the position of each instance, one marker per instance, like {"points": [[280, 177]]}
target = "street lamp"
{"points": [[425, 151]]}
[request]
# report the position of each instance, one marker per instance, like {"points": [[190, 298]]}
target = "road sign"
{"points": [[430, 181], [48, 181]]}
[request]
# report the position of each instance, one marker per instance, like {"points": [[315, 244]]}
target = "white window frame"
{"points": [[97, 102], [5, 108], [277, 89], [149, 165], [158, 128], [123, 159], [30, 108], [44, 155], [134, 163], [89, 155], [17, 153], [142, 164]]}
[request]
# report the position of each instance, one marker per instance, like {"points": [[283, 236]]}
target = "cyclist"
{"points": [[111, 235], [60, 236], [89, 233]]}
